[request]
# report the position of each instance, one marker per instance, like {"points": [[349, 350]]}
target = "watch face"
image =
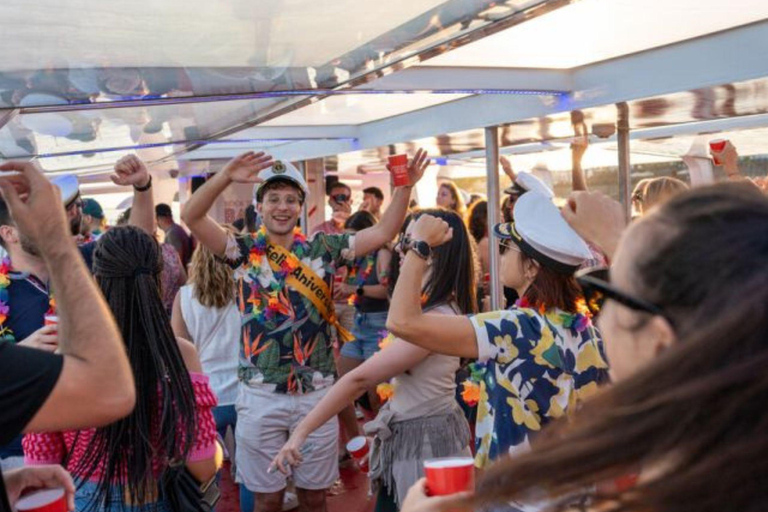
{"points": [[422, 248]]}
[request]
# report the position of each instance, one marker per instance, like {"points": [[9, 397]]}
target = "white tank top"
{"points": [[216, 335]]}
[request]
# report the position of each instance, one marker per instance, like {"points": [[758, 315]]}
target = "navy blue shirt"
{"points": [[28, 302], [28, 299]]}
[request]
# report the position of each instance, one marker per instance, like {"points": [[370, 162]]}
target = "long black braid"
{"points": [[127, 264]]}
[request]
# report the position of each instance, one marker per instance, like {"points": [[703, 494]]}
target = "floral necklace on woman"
{"points": [[268, 300]]}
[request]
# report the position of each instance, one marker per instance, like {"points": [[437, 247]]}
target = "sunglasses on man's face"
{"points": [[340, 198], [597, 289]]}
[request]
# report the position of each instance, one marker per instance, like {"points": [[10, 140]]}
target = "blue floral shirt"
{"points": [[534, 368]]}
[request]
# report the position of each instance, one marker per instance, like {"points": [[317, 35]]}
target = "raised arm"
{"points": [[96, 384], [450, 335], [391, 221], [578, 148], [397, 358], [132, 171], [242, 169]]}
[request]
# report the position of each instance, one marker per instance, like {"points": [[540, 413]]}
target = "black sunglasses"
{"points": [[597, 288], [340, 198]]}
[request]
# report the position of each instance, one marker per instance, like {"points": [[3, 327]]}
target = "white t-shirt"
{"points": [[216, 335]]}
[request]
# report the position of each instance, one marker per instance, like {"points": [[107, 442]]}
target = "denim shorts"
{"points": [[368, 331], [85, 502]]}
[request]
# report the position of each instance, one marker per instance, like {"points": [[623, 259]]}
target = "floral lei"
{"points": [[360, 277], [6, 334], [267, 301]]}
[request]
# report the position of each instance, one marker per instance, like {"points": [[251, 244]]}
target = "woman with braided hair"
{"points": [[117, 467]]}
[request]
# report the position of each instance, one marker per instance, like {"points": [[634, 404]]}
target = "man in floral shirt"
{"points": [[287, 319]]}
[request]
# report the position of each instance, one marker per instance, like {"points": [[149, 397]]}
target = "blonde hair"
{"points": [[460, 207], [661, 190], [653, 191], [211, 279]]}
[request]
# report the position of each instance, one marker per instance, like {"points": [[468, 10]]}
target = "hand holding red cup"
{"points": [[359, 447], [46, 500], [716, 147], [450, 475], [398, 166]]}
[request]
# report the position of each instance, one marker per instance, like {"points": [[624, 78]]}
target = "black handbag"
{"points": [[184, 493]]}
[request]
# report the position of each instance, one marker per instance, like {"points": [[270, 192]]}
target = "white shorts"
{"points": [[264, 421]]}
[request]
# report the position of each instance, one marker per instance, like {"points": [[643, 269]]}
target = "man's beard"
{"points": [[28, 245], [74, 225]]}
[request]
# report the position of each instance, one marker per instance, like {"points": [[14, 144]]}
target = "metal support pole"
{"points": [[622, 137], [492, 172], [302, 166]]}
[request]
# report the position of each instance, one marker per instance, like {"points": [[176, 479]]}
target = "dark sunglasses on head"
{"points": [[597, 289], [340, 198]]}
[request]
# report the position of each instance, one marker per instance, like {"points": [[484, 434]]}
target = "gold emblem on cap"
{"points": [[278, 167]]}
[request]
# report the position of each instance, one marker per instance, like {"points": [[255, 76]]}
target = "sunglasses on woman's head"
{"points": [[597, 289]]}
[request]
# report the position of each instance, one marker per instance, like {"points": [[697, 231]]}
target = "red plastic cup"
{"points": [[449, 475], [717, 146], [51, 320], [358, 447], [398, 166], [47, 500]]}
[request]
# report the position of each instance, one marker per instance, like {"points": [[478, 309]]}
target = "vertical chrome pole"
{"points": [[494, 200], [622, 136], [305, 209]]}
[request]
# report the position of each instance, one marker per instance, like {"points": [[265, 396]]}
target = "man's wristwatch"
{"points": [[360, 291], [420, 248]]}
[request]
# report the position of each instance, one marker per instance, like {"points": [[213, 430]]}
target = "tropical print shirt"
{"points": [[288, 352], [534, 367]]}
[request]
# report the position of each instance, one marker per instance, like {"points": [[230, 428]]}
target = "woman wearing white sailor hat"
{"points": [[541, 356]]}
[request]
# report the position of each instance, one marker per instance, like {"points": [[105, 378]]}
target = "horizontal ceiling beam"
{"points": [[431, 78]]}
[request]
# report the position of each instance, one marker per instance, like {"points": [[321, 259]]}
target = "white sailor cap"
{"points": [[540, 231], [69, 187], [281, 170], [527, 182]]}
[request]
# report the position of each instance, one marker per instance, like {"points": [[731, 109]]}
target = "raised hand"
{"points": [[246, 167], [596, 218], [31, 197], [417, 166], [432, 230], [506, 166], [130, 171]]}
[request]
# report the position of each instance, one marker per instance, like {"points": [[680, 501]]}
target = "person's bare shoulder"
{"points": [[189, 354]]}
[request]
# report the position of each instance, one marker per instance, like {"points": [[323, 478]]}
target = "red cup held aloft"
{"points": [[449, 475], [398, 166], [717, 146], [47, 500]]}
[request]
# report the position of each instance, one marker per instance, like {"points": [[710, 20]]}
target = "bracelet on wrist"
{"points": [[145, 187]]}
